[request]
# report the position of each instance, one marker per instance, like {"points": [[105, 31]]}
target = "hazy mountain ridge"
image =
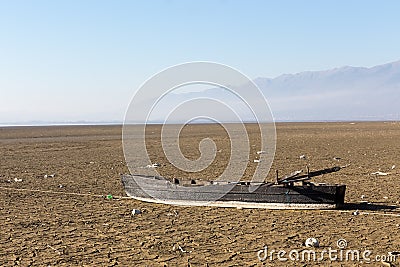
{"points": [[344, 76], [342, 93], [345, 93]]}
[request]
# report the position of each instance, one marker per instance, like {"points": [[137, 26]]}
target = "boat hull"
{"points": [[239, 195]]}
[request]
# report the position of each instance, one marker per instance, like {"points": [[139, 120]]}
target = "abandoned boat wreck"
{"points": [[293, 191]]}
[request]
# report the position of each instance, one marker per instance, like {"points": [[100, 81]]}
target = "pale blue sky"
{"points": [[82, 60]]}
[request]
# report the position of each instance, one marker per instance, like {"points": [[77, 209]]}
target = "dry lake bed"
{"points": [[54, 209]]}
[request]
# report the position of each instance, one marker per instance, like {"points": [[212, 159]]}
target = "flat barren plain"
{"points": [[54, 210]]}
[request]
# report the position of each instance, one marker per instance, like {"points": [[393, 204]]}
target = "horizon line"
{"points": [[49, 124]]}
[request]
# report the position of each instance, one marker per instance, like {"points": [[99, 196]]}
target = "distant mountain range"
{"points": [[340, 94], [346, 93]]}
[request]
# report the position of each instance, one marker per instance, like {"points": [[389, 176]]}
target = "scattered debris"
{"points": [[394, 253], [176, 247], [380, 173], [394, 166], [58, 252], [311, 242], [337, 158], [362, 196], [257, 161], [173, 214], [356, 213], [135, 212], [92, 162], [49, 176], [60, 186], [154, 165], [109, 196], [385, 198], [261, 152], [17, 180], [303, 157], [387, 263]]}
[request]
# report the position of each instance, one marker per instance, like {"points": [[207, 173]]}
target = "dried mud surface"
{"points": [[66, 220]]}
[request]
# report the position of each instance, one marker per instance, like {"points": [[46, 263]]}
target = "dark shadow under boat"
{"points": [[366, 206]]}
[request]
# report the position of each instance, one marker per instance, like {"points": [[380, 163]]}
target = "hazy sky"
{"points": [[82, 60]]}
